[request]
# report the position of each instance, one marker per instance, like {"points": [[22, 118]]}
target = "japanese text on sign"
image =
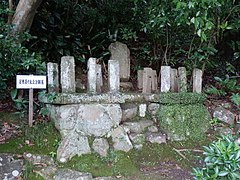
{"points": [[31, 81]]}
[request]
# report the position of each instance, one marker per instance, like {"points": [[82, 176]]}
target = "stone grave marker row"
{"points": [[172, 80], [94, 76], [147, 80]]}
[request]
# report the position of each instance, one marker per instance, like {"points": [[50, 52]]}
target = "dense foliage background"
{"points": [[196, 33]]}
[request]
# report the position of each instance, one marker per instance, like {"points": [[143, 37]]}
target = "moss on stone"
{"points": [[116, 163], [181, 98], [181, 121], [89, 163]]}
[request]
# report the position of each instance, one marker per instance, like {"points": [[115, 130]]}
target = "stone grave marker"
{"points": [[53, 77], [99, 78], [92, 75], [174, 80], [147, 80], [121, 53], [182, 79], [68, 74], [154, 81], [165, 78], [113, 76], [197, 80], [140, 79]]}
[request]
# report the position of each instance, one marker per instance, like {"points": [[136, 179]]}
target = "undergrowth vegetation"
{"points": [[226, 87], [42, 138], [222, 160]]}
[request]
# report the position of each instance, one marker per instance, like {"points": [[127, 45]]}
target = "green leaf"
{"points": [[13, 94], [203, 36], [236, 175], [199, 32], [223, 173], [229, 27], [216, 169], [207, 159], [235, 98], [218, 79], [238, 154], [231, 157], [192, 20]]}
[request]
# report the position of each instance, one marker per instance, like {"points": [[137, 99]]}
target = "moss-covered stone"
{"points": [[181, 121], [181, 98]]}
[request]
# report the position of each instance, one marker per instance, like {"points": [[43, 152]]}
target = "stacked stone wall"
{"points": [[116, 120]]}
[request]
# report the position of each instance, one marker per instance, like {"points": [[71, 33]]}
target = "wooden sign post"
{"points": [[31, 82]]}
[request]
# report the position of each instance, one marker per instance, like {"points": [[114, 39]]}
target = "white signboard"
{"points": [[31, 82]]}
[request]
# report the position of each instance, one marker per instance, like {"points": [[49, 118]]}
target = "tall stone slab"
{"points": [[154, 81], [197, 80], [147, 80], [140, 79], [99, 79], [174, 80], [121, 53], [113, 76], [165, 78], [68, 74], [92, 76], [53, 77], [182, 79]]}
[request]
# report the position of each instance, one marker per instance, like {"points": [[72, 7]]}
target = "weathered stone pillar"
{"points": [[92, 75], [165, 78], [174, 82], [147, 80], [140, 79], [113, 76], [53, 77], [99, 79], [68, 74], [154, 81], [121, 53], [197, 80], [182, 79]]}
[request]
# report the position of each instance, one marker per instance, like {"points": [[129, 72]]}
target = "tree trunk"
{"points": [[11, 8], [25, 12]]}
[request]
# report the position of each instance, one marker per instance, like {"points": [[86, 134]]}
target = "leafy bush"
{"points": [[235, 98], [222, 160], [80, 29], [223, 86], [201, 27], [14, 56], [19, 103]]}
